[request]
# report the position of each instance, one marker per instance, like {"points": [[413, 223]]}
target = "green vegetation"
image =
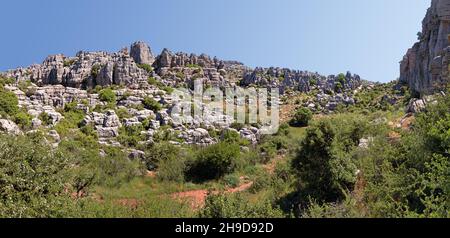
{"points": [[23, 119], [9, 104], [214, 162], [193, 66], [95, 71], [32, 179], [72, 119], [107, 95], [354, 163], [46, 119], [69, 62], [151, 104], [148, 68], [301, 117], [131, 136], [324, 162], [234, 206]]}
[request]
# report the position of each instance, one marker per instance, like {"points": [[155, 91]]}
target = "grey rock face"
{"points": [[86, 69], [9, 127], [425, 66], [168, 59], [141, 53], [416, 106], [302, 81]]}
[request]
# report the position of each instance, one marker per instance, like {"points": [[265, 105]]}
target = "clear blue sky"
{"points": [[368, 37]]}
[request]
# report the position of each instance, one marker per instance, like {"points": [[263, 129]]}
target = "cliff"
{"points": [[425, 67]]}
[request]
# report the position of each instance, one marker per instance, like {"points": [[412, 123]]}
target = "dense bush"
{"points": [[8, 103], [131, 135], [301, 117], [324, 162], [107, 95], [160, 152], [32, 179], [151, 104], [214, 161], [23, 119]]}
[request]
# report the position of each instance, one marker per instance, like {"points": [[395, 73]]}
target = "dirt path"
{"points": [[271, 166], [197, 198]]}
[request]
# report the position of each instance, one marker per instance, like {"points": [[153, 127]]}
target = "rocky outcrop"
{"points": [[141, 53], [302, 81], [167, 59], [425, 67], [87, 69], [9, 127]]}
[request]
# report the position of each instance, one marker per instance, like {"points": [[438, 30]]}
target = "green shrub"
{"points": [[324, 162], [46, 119], [131, 135], [9, 104], [237, 126], [231, 180], [69, 63], [32, 179], [95, 71], [230, 136], [234, 206], [215, 161], [71, 121], [154, 82], [301, 117], [148, 68], [89, 130], [151, 104], [23, 119], [4, 81], [123, 113], [172, 169], [107, 95], [160, 152]]}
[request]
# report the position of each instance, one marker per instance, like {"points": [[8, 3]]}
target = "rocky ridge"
{"points": [[136, 75]]}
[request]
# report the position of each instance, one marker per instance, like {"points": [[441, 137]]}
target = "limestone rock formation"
{"points": [[9, 127], [141, 53], [302, 81], [85, 70], [425, 67]]}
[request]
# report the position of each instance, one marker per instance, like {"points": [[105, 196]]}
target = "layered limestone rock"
{"points": [[87, 69], [302, 81], [425, 67], [175, 68], [141, 53]]}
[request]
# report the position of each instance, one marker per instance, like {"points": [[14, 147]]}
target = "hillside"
{"points": [[99, 135]]}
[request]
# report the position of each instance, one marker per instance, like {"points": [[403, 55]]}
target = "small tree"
{"points": [[302, 117]]}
